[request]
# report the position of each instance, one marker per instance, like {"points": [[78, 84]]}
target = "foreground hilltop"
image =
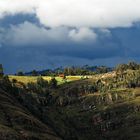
{"points": [[99, 107]]}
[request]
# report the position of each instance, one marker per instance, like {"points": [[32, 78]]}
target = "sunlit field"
{"points": [[28, 79]]}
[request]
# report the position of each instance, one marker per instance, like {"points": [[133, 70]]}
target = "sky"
{"points": [[42, 34]]}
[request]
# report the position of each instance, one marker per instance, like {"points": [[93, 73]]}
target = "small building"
{"points": [[1, 70], [62, 75]]}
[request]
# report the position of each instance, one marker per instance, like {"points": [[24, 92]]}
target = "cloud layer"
{"points": [[72, 19], [77, 13], [37, 34]]}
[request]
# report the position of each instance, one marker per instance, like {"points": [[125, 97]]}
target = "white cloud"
{"points": [[77, 13], [17, 6], [25, 34], [83, 34], [30, 34], [83, 15]]}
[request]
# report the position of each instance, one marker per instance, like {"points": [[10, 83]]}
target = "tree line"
{"points": [[84, 70]]}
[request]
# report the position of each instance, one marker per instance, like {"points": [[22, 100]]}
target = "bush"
{"points": [[41, 82], [53, 83]]}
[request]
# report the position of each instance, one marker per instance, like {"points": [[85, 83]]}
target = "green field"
{"points": [[28, 79]]}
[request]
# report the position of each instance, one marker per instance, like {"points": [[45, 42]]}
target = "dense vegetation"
{"points": [[83, 70], [101, 107]]}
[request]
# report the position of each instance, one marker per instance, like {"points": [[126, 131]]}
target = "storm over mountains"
{"points": [[39, 34]]}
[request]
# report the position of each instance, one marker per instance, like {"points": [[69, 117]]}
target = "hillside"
{"points": [[99, 115], [17, 122], [99, 107]]}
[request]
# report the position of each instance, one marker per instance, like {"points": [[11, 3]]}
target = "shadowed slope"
{"points": [[16, 122]]}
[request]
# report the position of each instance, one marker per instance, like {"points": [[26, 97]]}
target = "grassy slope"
{"points": [[119, 119], [16, 122], [123, 120]]}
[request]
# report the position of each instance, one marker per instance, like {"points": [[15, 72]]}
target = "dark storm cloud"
{"points": [[26, 44], [16, 19], [130, 39]]}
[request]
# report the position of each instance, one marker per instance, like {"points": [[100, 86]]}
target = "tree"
{"points": [[14, 81], [53, 83], [34, 73], [1, 70], [20, 73], [41, 82], [133, 66], [102, 69], [32, 86], [121, 68], [7, 86]]}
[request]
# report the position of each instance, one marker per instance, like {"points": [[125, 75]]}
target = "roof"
{"points": [[61, 75]]}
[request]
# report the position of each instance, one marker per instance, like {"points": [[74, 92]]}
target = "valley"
{"points": [[96, 107]]}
